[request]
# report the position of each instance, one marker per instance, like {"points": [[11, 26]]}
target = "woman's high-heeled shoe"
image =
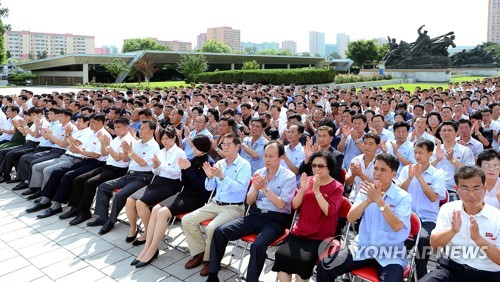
{"points": [[131, 239], [134, 262], [143, 264]]}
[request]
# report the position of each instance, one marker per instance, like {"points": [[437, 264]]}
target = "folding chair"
{"points": [[445, 200], [370, 273]]}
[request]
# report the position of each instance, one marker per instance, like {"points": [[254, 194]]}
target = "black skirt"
{"points": [[297, 255], [181, 203], [160, 189]]}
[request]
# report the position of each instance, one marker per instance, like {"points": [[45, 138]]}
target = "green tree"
{"points": [[251, 50], [214, 46], [42, 55], [138, 44], [304, 54], [251, 65], [363, 52], [4, 13], [488, 46], [62, 52], [116, 67], [190, 65], [146, 67]]}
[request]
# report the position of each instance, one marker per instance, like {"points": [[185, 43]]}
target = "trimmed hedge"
{"points": [[272, 76]]}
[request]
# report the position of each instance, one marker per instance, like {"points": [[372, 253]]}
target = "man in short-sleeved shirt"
{"points": [[384, 227], [252, 147], [469, 232]]}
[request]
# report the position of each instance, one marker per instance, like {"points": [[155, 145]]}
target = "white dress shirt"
{"points": [[169, 167]]}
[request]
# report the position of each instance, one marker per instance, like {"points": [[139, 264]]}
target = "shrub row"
{"points": [[351, 78], [21, 77], [273, 76]]}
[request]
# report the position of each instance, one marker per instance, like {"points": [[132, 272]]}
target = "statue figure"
{"points": [[392, 46], [401, 53], [421, 46], [459, 58], [440, 46]]}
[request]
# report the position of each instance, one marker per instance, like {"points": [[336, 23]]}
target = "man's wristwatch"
{"points": [[68, 134], [130, 154], [221, 178], [453, 161], [266, 190], [382, 208]]}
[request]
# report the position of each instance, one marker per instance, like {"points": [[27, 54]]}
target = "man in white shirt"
{"points": [[464, 227], [450, 155], [294, 151], [59, 185], [85, 185], [402, 149], [10, 128], [464, 137], [425, 184], [11, 157], [140, 173], [361, 167]]}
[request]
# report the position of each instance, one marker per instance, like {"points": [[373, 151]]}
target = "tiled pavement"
{"points": [[50, 249]]}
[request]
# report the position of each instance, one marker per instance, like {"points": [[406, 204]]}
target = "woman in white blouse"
{"points": [[166, 183], [489, 162]]}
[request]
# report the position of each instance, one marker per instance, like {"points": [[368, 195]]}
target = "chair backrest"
{"points": [[416, 225], [445, 200], [343, 174], [345, 207]]}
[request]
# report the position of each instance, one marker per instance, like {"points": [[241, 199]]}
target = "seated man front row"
{"points": [[463, 227]]}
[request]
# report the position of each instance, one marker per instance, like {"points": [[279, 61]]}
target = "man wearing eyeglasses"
{"points": [[450, 156], [467, 233], [229, 177]]}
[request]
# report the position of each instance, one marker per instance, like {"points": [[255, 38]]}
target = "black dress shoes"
{"points": [[143, 264], [71, 213], [39, 207], [20, 186], [4, 178], [13, 180], [131, 239], [106, 228], [36, 195], [49, 212], [29, 191], [81, 217], [138, 243], [98, 222]]}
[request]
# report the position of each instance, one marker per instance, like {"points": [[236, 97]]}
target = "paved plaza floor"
{"points": [[49, 249]]}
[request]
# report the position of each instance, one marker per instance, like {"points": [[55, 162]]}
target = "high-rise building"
{"points": [[493, 21], [27, 45], [329, 49], [226, 35], [289, 45], [107, 50], [342, 41], [173, 45], [261, 46], [316, 43], [200, 40]]}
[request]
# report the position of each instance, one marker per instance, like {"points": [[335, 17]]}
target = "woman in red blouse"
{"points": [[319, 200]]}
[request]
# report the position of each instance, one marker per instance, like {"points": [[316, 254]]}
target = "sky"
{"points": [[112, 21]]}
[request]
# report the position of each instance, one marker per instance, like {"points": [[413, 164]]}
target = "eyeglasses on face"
{"points": [[490, 166], [476, 191], [318, 166]]}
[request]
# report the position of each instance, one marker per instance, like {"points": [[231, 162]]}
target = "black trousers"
{"points": [[269, 226], [448, 270], [330, 267], [58, 187], [11, 158], [85, 185], [40, 154], [129, 184], [424, 248]]}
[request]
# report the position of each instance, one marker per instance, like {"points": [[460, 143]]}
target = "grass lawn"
{"points": [[152, 85], [426, 85]]}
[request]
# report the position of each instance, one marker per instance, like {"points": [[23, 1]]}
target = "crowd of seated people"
{"points": [[243, 159]]}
